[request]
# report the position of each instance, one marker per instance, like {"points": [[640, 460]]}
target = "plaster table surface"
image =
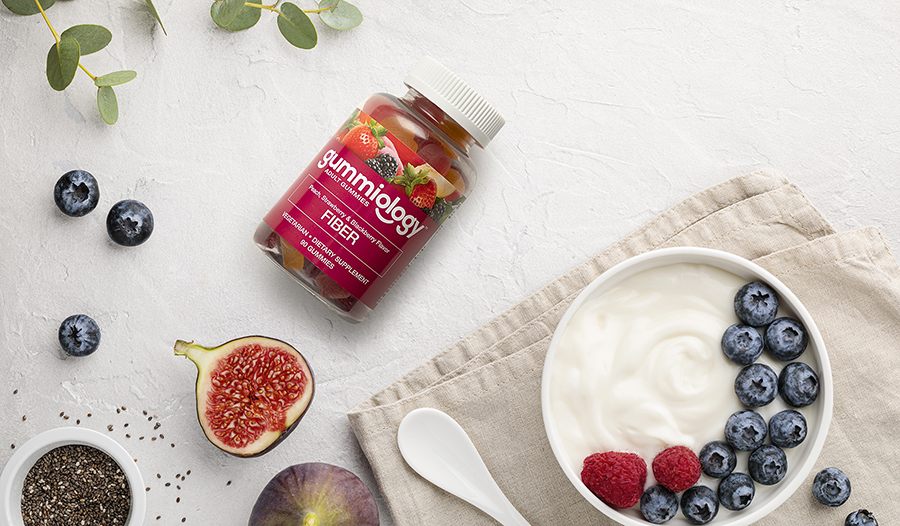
{"points": [[615, 112]]}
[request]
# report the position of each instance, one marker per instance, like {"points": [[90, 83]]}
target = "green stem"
{"points": [[323, 9], [43, 14], [261, 6], [274, 7]]}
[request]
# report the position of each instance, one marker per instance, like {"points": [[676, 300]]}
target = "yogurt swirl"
{"points": [[640, 367]]}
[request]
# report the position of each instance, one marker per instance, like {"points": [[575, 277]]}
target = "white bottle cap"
{"points": [[439, 85]]}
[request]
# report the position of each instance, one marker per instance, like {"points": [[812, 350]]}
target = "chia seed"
{"points": [[75, 485]]}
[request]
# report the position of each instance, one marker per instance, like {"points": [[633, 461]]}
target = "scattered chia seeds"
{"points": [[75, 485]]}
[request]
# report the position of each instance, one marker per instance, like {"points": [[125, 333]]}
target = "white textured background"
{"points": [[614, 113]]}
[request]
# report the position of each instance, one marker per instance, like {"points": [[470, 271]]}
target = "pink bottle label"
{"points": [[359, 226]]}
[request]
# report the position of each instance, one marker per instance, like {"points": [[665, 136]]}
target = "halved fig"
{"points": [[251, 392], [315, 494]]}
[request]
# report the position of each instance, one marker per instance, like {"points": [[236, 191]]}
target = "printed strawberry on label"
{"points": [[365, 139], [416, 184]]}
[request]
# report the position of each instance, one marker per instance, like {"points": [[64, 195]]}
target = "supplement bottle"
{"points": [[379, 190]]}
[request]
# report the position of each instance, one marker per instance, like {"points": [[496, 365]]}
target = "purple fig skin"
{"points": [[315, 494], [181, 350]]}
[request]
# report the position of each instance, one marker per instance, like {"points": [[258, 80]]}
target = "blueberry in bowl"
{"points": [[79, 335], [742, 344], [786, 339], [756, 304], [129, 223], [736, 491], [798, 384], [746, 430], [699, 504], [76, 193], [756, 385], [767, 464], [717, 459], [787, 428], [658, 504]]}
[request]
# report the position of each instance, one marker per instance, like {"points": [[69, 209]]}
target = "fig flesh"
{"points": [[251, 392], [315, 494]]}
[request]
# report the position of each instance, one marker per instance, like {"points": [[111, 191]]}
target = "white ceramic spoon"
{"points": [[436, 447]]}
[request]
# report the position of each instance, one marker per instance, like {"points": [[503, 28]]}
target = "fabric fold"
{"points": [[490, 380]]}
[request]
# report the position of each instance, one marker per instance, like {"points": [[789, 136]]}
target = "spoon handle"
{"points": [[436, 447]]}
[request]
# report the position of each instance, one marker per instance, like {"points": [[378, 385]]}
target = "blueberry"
{"points": [[129, 223], [76, 193], [717, 459], [787, 428], [861, 518], [798, 384], [756, 385], [742, 344], [699, 504], [79, 335], [786, 339], [756, 304], [658, 504], [831, 487], [736, 491], [767, 464], [746, 430]]}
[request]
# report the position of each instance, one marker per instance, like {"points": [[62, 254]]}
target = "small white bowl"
{"points": [[13, 477], [802, 458]]}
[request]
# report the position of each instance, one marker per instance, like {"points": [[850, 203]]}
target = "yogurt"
{"points": [[640, 366]]}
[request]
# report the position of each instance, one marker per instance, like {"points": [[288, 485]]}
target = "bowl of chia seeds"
{"points": [[71, 476]]}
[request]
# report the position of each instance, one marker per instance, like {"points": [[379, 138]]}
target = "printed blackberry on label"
{"points": [[385, 165]]}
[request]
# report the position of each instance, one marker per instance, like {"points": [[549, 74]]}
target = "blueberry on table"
{"points": [[717, 459], [767, 464], [699, 504], [831, 487], [658, 504], [756, 304], [742, 344], [746, 430], [736, 491], [79, 335], [786, 339], [76, 193], [129, 223], [861, 518], [798, 384], [787, 428], [756, 385]]}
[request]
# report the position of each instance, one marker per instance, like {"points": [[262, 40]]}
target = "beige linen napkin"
{"points": [[490, 381]]}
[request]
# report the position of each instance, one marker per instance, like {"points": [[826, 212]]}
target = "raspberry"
{"points": [[615, 477], [676, 468]]}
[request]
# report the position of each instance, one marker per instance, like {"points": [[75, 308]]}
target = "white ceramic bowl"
{"points": [[801, 458], [13, 477]]}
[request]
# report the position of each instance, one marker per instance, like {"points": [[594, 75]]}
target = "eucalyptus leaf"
{"points": [[91, 38], [245, 19], [106, 102], [115, 78], [62, 63], [296, 27], [342, 15], [27, 7], [225, 11], [156, 16]]}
